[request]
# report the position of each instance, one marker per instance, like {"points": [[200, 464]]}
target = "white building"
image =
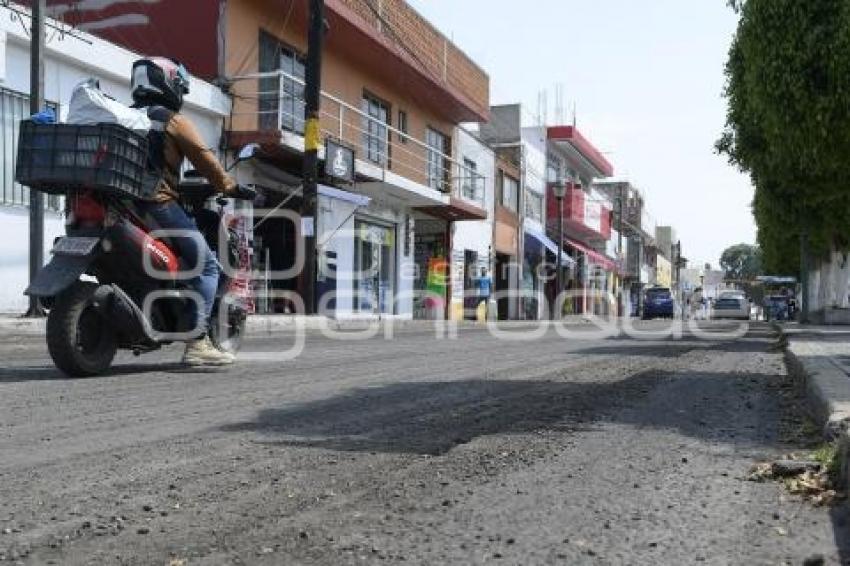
{"points": [[472, 241], [535, 241], [68, 61]]}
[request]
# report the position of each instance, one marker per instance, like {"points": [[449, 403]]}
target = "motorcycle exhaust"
{"points": [[124, 316]]}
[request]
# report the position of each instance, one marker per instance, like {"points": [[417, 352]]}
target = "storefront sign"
{"points": [[458, 274], [339, 161]]}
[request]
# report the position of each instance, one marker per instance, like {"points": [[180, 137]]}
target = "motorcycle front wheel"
{"points": [[78, 339]]}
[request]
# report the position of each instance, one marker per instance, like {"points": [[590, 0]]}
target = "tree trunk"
{"points": [[829, 282], [842, 279], [814, 290]]}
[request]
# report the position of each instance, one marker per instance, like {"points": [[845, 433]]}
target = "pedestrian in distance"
{"points": [[484, 286]]}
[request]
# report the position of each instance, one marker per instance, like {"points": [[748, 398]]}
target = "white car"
{"points": [[731, 305]]}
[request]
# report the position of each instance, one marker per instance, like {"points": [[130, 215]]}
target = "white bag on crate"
{"points": [[89, 105]]}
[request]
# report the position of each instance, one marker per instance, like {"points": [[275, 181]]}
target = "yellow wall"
{"points": [[663, 272]]}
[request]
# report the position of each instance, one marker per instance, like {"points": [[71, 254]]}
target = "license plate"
{"points": [[77, 246]]}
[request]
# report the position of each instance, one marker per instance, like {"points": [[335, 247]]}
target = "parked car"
{"points": [[658, 303], [731, 305]]}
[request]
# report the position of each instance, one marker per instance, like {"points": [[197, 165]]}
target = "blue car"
{"points": [[658, 303]]}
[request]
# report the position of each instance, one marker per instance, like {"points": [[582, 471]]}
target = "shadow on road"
{"points": [[433, 417], [50, 373], [666, 350]]}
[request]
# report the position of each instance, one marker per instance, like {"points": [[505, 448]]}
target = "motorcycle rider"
{"points": [[158, 85]]}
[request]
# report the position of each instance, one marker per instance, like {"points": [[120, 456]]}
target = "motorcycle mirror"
{"points": [[248, 151]]}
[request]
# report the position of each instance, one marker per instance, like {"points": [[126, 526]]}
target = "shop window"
{"points": [[14, 107], [376, 116], [439, 167], [281, 98]]}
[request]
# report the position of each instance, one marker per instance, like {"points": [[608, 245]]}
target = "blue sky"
{"points": [[646, 79]]}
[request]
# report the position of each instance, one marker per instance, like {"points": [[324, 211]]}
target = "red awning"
{"points": [[597, 258], [570, 136]]}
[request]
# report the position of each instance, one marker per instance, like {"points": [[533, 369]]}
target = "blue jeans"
{"points": [[192, 252]]}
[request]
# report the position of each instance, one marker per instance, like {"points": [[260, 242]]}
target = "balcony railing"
{"points": [[275, 101]]}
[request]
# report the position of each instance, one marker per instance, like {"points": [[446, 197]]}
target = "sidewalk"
{"points": [[819, 356]]}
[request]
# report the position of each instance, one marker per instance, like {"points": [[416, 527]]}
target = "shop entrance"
{"points": [[502, 283], [432, 269], [374, 267], [275, 253]]}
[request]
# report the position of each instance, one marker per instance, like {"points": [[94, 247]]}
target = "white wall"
{"points": [[68, 62], [534, 145]]}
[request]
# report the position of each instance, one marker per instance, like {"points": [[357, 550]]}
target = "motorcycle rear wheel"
{"points": [[78, 339]]}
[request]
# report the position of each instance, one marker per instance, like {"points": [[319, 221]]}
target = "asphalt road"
{"points": [[414, 450]]}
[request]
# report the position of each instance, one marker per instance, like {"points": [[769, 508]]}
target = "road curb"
{"points": [[827, 390]]}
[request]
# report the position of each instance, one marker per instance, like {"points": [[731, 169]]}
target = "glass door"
{"points": [[374, 265]]}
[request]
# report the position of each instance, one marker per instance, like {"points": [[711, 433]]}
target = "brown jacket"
{"points": [[182, 140]]}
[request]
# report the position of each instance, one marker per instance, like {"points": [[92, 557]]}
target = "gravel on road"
{"points": [[413, 450]]}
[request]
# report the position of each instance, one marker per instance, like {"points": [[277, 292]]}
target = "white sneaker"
{"points": [[201, 352]]}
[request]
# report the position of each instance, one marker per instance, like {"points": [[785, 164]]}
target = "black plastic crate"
{"points": [[58, 158]]}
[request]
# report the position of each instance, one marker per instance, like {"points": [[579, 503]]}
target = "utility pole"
{"points": [[620, 305], [312, 141], [804, 276], [678, 277], [560, 273], [36, 219]]}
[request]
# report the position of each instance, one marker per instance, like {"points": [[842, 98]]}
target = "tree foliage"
{"points": [[788, 122], [741, 262]]}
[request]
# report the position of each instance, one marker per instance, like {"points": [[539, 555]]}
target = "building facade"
{"points": [[637, 232], [394, 90], [472, 241], [586, 213]]}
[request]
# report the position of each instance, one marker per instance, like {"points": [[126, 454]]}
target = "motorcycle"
{"points": [[111, 285]]}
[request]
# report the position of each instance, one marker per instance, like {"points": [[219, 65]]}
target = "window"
{"points": [[14, 107], [402, 126], [534, 206], [472, 188], [438, 164], [281, 103], [508, 191], [374, 125], [553, 169]]}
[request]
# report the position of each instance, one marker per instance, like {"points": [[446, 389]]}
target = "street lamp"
{"points": [[559, 190]]}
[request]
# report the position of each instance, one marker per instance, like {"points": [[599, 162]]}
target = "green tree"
{"points": [[788, 122], [741, 262]]}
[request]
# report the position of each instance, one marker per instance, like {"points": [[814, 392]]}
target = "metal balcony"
{"points": [[273, 103]]}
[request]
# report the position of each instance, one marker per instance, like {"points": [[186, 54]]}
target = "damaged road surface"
{"points": [[414, 450]]}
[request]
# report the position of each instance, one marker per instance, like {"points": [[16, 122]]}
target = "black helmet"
{"points": [[159, 81]]}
